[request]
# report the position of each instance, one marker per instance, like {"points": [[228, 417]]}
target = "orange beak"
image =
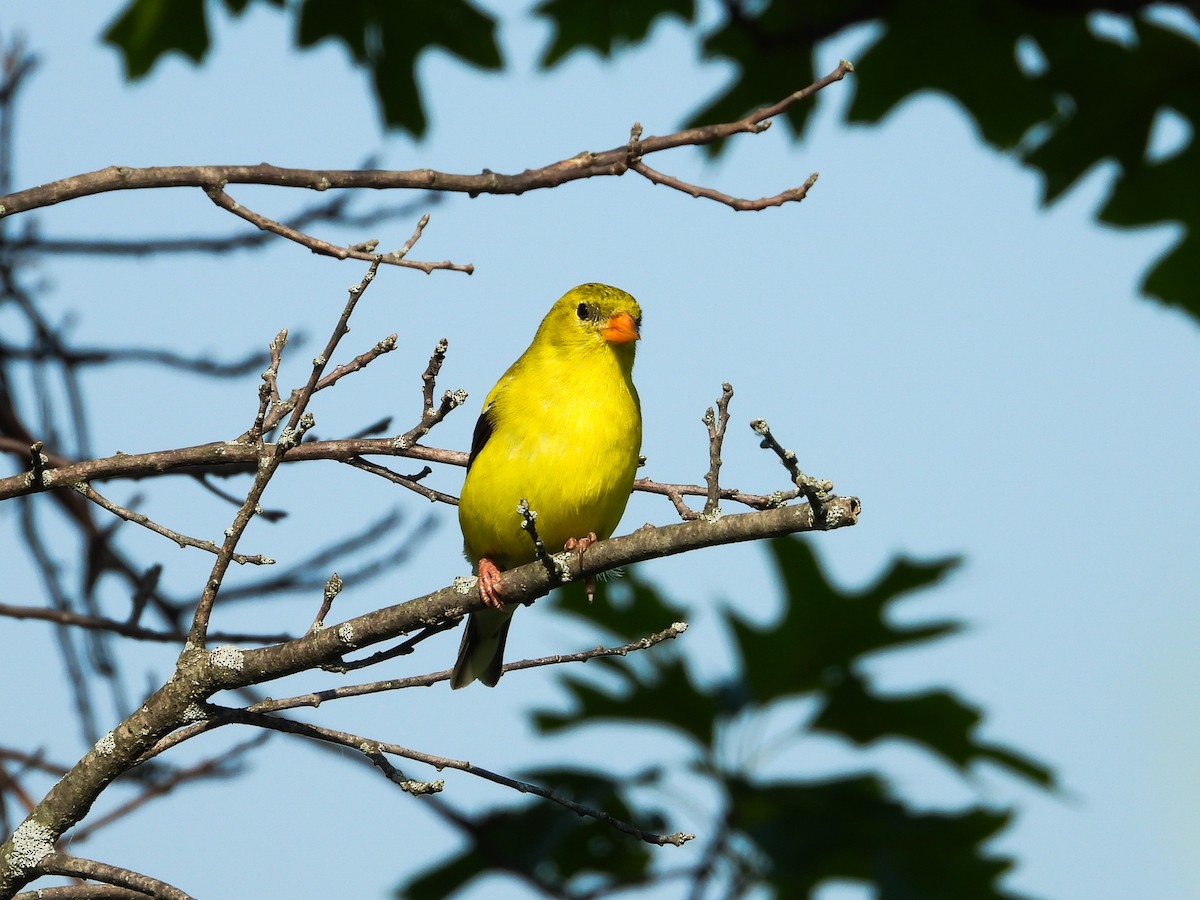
{"points": [[620, 329]]}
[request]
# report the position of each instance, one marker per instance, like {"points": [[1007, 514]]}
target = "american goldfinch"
{"points": [[562, 429]]}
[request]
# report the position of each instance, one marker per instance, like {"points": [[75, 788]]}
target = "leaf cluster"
{"points": [[787, 833]]}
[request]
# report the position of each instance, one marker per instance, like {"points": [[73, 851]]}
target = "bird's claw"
{"points": [[580, 546], [489, 584]]}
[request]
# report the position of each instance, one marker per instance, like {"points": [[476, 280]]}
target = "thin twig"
{"points": [[268, 391], [716, 426], [37, 463], [95, 356], [182, 540], [791, 195], [431, 415], [33, 761], [556, 567], [374, 753], [333, 587], [334, 211], [404, 648], [816, 491], [367, 745], [324, 248], [126, 629], [676, 492], [408, 481]]}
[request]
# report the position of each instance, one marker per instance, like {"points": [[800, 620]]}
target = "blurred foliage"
{"points": [[785, 833], [1047, 82], [384, 37]]}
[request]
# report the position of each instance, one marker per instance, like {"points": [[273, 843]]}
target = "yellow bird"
{"points": [[562, 428]]}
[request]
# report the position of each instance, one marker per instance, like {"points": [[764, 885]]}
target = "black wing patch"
{"points": [[483, 431]]}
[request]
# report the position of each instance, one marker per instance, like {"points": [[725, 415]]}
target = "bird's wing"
{"points": [[489, 416], [484, 427]]}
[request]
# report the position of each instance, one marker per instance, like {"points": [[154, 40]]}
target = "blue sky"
{"points": [[980, 372]]}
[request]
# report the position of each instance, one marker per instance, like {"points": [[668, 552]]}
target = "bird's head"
{"points": [[594, 316]]}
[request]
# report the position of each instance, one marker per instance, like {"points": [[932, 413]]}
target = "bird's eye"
{"points": [[582, 311]]}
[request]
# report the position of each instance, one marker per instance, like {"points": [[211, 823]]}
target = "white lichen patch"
{"points": [[227, 657], [679, 627], [107, 744], [464, 584], [562, 564], [713, 516], [345, 633], [32, 842], [194, 712]]}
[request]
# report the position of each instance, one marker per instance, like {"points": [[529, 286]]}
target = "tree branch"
{"points": [[616, 161], [75, 867]]}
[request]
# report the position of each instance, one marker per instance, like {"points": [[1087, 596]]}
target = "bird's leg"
{"points": [[489, 584], [580, 545]]}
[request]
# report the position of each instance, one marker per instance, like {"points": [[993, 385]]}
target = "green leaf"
{"points": [[937, 720], [824, 630], [604, 27], [1110, 95], [1168, 190], [149, 29], [628, 608], [237, 7], [387, 38], [850, 828], [964, 49], [547, 841], [664, 698]]}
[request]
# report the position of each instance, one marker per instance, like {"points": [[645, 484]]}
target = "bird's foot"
{"points": [[580, 546], [489, 584]]}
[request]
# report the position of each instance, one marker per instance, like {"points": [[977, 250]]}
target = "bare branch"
{"points": [[74, 866], [676, 492], [333, 587], [213, 179], [369, 747], [431, 415], [816, 491], [716, 436], [791, 195], [82, 892], [409, 481], [324, 248], [333, 211], [182, 540], [101, 356], [126, 629], [34, 761]]}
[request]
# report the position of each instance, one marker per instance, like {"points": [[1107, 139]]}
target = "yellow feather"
{"points": [[565, 434]]}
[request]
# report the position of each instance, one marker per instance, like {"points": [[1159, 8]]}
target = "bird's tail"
{"points": [[481, 653]]}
